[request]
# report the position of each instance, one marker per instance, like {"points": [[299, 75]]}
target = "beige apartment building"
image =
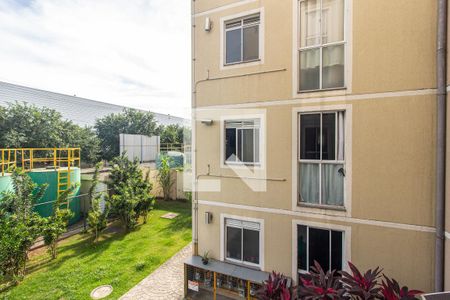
{"points": [[315, 136]]}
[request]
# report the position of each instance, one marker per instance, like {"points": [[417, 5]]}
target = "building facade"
{"points": [[315, 135]]}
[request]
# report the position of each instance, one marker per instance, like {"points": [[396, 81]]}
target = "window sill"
{"points": [[322, 90], [241, 264], [247, 63], [322, 206]]}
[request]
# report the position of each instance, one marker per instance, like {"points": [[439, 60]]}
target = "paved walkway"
{"points": [[165, 283]]}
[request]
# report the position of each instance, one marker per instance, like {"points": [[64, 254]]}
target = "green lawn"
{"points": [[116, 259]]}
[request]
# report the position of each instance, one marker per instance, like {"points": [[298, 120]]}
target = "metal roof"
{"points": [[81, 111]]}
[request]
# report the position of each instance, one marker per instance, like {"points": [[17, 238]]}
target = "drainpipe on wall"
{"points": [[194, 139], [441, 143]]}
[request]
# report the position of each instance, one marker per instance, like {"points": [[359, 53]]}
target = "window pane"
{"points": [[230, 144], [336, 250], [251, 43], [234, 243], [309, 70], [251, 246], [332, 184], [239, 145], [329, 136], [309, 183], [333, 67], [319, 247], [309, 23], [301, 247], [256, 145], [332, 21], [310, 136], [247, 146], [233, 44]]}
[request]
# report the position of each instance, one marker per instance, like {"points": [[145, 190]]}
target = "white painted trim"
{"points": [[224, 7], [348, 44], [346, 251], [262, 139], [223, 20], [319, 216], [447, 235], [312, 100], [241, 218], [348, 159]]}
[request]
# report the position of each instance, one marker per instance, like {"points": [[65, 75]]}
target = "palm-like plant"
{"points": [[277, 287], [362, 287], [391, 290], [318, 285]]}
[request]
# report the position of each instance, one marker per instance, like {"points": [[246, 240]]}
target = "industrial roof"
{"points": [[81, 111]]}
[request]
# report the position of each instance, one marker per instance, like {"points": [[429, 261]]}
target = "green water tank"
{"points": [[50, 176]]}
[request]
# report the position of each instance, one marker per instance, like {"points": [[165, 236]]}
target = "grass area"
{"points": [[117, 259]]}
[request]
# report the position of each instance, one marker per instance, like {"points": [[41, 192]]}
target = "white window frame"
{"points": [[348, 56], [253, 114], [223, 218], [256, 159], [243, 15], [329, 247], [323, 211], [346, 243], [320, 162]]}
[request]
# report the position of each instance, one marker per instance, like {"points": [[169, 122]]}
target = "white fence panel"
{"points": [[142, 147]]}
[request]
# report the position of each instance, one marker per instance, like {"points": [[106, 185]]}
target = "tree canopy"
{"points": [[130, 121], [28, 126]]}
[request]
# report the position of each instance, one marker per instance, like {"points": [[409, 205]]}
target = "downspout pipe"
{"points": [[441, 61]]}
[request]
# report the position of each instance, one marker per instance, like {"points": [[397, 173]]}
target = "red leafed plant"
{"points": [[391, 290], [318, 285], [277, 287], [359, 286]]}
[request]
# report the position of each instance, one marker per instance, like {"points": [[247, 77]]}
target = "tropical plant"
{"points": [[359, 286], [130, 121], [131, 192], [19, 225], [164, 177], [97, 219], [391, 290], [318, 285], [56, 224], [277, 287]]}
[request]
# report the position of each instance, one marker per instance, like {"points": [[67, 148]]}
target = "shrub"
{"points": [[277, 287], [19, 225], [360, 286], [131, 192], [55, 225], [97, 219], [391, 290], [140, 266], [164, 177], [320, 285]]}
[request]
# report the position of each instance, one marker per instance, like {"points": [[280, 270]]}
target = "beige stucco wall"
{"points": [[393, 142], [392, 249], [392, 47]]}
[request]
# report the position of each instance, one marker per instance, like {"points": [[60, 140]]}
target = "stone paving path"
{"points": [[165, 283]]}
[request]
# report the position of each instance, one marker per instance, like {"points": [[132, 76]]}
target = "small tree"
{"points": [[56, 224], [164, 177], [19, 225], [131, 192], [147, 201], [97, 219]]}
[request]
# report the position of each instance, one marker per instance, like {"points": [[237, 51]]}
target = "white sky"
{"points": [[129, 52]]}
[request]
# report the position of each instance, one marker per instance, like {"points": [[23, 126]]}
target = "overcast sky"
{"points": [[128, 52]]}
